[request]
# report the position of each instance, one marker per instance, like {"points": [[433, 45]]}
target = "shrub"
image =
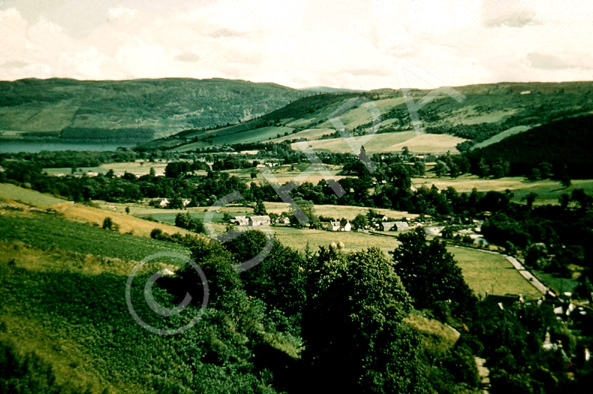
{"points": [[108, 223]]}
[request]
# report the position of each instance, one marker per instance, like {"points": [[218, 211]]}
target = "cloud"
{"points": [[120, 13], [564, 61], [509, 13], [547, 62], [187, 57], [340, 43], [13, 64], [358, 72]]}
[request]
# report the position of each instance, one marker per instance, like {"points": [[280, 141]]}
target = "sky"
{"points": [[356, 44]]}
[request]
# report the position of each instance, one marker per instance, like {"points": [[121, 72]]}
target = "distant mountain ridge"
{"points": [[485, 111], [131, 110]]}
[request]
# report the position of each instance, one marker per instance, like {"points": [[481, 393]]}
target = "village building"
{"points": [[241, 220], [394, 226], [337, 226], [263, 220]]}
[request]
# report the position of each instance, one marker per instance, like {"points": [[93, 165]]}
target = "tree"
{"points": [[278, 279], [420, 168], [535, 174], [564, 200], [107, 223], [128, 210], [483, 168], [156, 233], [302, 207], [360, 221], [545, 169], [497, 171], [429, 272], [184, 220], [441, 168], [260, 208], [152, 173], [529, 200], [565, 180], [355, 340]]}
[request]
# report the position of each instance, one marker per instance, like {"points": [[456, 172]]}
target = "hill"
{"points": [[566, 142], [485, 111], [131, 111]]}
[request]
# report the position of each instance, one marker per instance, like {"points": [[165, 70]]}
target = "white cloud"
{"points": [[344, 43], [119, 13]]}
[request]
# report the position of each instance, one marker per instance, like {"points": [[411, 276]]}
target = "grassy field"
{"points": [[80, 212], [71, 311], [547, 190], [256, 135], [299, 239], [339, 211], [49, 231], [138, 168], [391, 142], [365, 113], [491, 273], [309, 134], [27, 196], [126, 223]]}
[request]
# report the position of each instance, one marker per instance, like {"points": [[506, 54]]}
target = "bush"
{"points": [[107, 224], [156, 233]]}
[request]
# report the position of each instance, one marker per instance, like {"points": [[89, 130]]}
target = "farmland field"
{"points": [[299, 239], [138, 168], [309, 134], [251, 136], [491, 273], [548, 190], [340, 211], [390, 142]]}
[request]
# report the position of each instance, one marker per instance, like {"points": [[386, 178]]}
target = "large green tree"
{"points": [[429, 273], [355, 339]]}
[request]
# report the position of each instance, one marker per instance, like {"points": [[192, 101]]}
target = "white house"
{"points": [[241, 220], [394, 226], [260, 221], [336, 226], [164, 202]]}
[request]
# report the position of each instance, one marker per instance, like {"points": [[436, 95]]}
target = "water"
{"points": [[34, 147]]}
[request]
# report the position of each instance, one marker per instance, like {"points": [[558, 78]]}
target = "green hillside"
{"points": [[568, 142], [135, 110], [485, 111]]}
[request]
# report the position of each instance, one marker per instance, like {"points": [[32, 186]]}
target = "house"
{"points": [[283, 220], [259, 221], [185, 202], [394, 226], [337, 226], [387, 226], [402, 226], [164, 202], [334, 226], [241, 220]]}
